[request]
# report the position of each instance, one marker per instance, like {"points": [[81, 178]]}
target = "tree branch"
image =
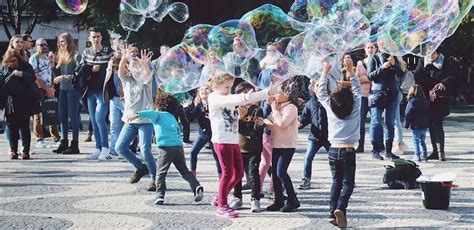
{"points": [[31, 27], [23, 7], [5, 25]]}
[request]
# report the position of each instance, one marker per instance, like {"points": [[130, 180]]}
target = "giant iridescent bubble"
{"points": [[179, 12], [72, 6]]}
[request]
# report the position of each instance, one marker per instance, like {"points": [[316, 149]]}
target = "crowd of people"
{"points": [[252, 132]]}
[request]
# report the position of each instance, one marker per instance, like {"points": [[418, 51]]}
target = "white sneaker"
{"points": [[55, 144], [41, 144], [107, 157], [255, 205], [95, 155], [236, 203]]}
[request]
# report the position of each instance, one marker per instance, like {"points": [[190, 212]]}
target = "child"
{"points": [[343, 111], [200, 111], [416, 118], [315, 114], [250, 134], [225, 126], [168, 140], [283, 122]]}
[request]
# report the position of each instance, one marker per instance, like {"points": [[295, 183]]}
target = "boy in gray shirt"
{"points": [[343, 111]]}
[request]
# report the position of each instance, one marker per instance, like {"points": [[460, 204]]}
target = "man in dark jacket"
{"points": [[436, 74]]}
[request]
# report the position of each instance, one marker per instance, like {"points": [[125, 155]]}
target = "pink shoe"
{"points": [[214, 202], [225, 211]]}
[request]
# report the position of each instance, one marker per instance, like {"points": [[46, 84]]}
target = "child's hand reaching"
{"points": [[242, 111], [186, 103], [260, 121], [268, 123]]}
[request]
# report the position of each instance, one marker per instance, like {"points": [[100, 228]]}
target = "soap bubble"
{"points": [[178, 72], [179, 12], [72, 6], [130, 18], [270, 24], [195, 42]]}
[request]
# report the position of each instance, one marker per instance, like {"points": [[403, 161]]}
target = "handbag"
{"points": [[77, 79], [407, 81], [49, 112], [379, 99]]}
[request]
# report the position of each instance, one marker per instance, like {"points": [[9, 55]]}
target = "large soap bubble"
{"points": [[179, 12], [195, 42], [72, 6], [178, 72], [270, 24], [130, 18]]}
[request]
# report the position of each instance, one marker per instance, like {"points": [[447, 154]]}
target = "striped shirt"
{"points": [[91, 57]]}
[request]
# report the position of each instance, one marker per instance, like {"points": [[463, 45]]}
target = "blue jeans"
{"points": [[281, 159], [116, 123], [312, 149], [198, 144], [364, 109], [144, 132], [419, 136], [68, 111], [342, 162], [97, 109], [398, 125], [376, 127]]}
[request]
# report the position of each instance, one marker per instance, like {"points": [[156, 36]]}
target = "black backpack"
{"points": [[402, 176]]}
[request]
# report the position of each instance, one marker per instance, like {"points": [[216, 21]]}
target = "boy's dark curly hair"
{"points": [[167, 103], [342, 102]]}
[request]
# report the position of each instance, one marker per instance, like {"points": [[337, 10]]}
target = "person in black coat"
{"points": [[17, 97], [314, 114], [436, 74]]}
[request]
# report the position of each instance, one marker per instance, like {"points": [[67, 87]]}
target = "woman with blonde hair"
{"points": [[69, 94], [16, 44]]}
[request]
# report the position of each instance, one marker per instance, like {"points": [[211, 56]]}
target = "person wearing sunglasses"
{"points": [[42, 65]]}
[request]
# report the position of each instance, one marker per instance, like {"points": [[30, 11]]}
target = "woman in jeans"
{"points": [[69, 95], [17, 97]]}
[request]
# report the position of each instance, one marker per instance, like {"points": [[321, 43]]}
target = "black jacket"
{"points": [[417, 114], [201, 113], [427, 77], [23, 100], [250, 134], [383, 79], [315, 114]]}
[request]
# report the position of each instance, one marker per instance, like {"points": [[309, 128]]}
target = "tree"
{"points": [[15, 11]]}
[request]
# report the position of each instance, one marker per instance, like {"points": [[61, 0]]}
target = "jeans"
{"points": [[251, 163], [20, 126], [398, 125], [128, 133], [116, 123], [313, 148], [419, 136], [198, 144], [68, 111], [364, 109], [97, 109], [230, 159], [376, 127], [342, 162], [175, 155], [281, 159]]}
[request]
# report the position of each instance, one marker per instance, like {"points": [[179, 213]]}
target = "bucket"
{"points": [[436, 191]]}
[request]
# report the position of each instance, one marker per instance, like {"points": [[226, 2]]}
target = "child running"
{"points": [[225, 126], [250, 133], [170, 146], [417, 118], [283, 122], [343, 111], [314, 114]]}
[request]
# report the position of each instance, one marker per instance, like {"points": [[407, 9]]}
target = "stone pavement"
{"points": [[53, 191]]}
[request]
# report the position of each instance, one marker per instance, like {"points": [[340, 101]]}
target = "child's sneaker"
{"points": [[225, 211], [340, 218], [236, 203], [214, 202], [305, 184], [199, 193], [255, 205], [107, 157], [159, 200]]}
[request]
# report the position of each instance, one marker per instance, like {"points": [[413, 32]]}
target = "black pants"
{"points": [[437, 133], [16, 124], [251, 164]]}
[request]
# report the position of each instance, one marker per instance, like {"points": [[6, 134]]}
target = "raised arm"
{"points": [[237, 99]]}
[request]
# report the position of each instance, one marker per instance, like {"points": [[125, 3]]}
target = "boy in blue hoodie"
{"points": [[314, 114]]}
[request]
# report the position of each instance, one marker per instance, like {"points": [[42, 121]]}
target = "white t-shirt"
{"points": [[224, 115], [43, 67]]}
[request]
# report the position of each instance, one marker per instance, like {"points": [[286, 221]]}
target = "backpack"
{"points": [[406, 81], [403, 175]]}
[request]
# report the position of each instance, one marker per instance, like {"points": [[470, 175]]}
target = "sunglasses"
{"points": [[43, 45]]}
